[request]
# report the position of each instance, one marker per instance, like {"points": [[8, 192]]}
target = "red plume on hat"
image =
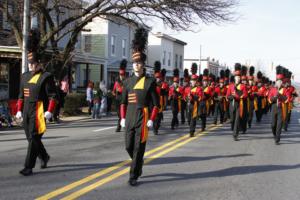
{"points": [[205, 75], [194, 70], [186, 75], [157, 68], [123, 65], [251, 73], [227, 74], [237, 69], [279, 73], [176, 75], [244, 72], [259, 76]]}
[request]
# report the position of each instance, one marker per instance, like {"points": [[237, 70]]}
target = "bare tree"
{"points": [[58, 19]]}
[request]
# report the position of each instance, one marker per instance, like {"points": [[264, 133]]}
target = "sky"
{"points": [[266, 32]]}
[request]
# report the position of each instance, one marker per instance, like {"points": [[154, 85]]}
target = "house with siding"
{"points": [[109, 40]]}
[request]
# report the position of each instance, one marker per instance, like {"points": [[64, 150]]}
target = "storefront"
{"points": [[10, 72], [87, 68]]}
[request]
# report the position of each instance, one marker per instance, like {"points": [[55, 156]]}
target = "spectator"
{"points": [[103, 107], [4, 114], [97, 95], [89, 96]]}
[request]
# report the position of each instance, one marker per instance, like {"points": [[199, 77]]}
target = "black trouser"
{"points": [[183, 111], [235, 117], [35, 146], [90, 105], [175, 121], [276, 124], [119, 116], [219, 109], [157, 122], [244, 118], [250, 113], [287, 119], [193, 119], [202, 114], [259, 111], [133, 141]]}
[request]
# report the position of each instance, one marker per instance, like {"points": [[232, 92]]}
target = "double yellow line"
{"points": [[175, 144]]}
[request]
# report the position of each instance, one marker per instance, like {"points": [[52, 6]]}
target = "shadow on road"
{"points": [[232, 171]]}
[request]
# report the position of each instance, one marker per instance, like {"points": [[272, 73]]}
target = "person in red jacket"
{"points": [[164, 89], [246, 102], [117, 91], [175, 93], [184, 100], [236, 94], [252, 90], [194, 97], [258, 101], [205, 101], [226, 85], [37, 87], [212, 84], [277, 100], [220, 99], [157, 75], [290, 92]]}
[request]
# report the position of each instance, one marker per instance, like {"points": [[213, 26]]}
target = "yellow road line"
{"points": [[110, 178], [103, 172]]}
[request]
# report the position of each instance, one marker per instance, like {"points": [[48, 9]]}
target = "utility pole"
{"points": [[25, 35]]}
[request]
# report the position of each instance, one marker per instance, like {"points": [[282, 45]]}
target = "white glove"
{"points": [[150, 123], [48, 115], [122, 123], [19, 115]]}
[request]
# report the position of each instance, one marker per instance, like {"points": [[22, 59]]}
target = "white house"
{"points": [[166, 49], [214, 66], [110, 42]]}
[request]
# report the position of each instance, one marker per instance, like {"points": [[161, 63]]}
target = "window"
{"points": [[4, 79], [124, 47], [180, 62], [176, 61], [169, 59], [164, 57], [88, 43], [6, 25], [113, 45]]}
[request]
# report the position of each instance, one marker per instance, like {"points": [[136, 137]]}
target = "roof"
{"points": [[168, 37], [10, 52]]}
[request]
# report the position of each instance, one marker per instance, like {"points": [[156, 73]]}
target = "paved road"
{"points": [[88, 161]]}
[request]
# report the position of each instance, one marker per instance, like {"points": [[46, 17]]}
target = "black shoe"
{"points": [[45, 162], [192, 134], [203, 129], [235, 138], [132, 182], [118, 130], [215, 122], [172, 127], [26, 172], [155, 132], [277, 142]]}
